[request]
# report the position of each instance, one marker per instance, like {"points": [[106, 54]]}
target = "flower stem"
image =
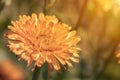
{"points": [[45, 4], [48, 4], [36, 73]]}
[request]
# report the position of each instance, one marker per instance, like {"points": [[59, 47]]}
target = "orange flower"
{"points": [[9, 71], [43, 39]]}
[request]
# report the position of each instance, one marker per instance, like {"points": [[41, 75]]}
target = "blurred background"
{"points": [[96, 21]]}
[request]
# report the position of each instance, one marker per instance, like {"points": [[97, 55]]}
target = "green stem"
{"points": [[1, 5], [46, 72], [45, 5], [48, 4], [36, 73], [81, 13]]}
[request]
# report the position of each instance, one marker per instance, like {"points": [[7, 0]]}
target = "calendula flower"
{"points": [[41, 39], [9, 71]]}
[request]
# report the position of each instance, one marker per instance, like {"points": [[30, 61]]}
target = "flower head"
{"points": [[43, 39]]}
